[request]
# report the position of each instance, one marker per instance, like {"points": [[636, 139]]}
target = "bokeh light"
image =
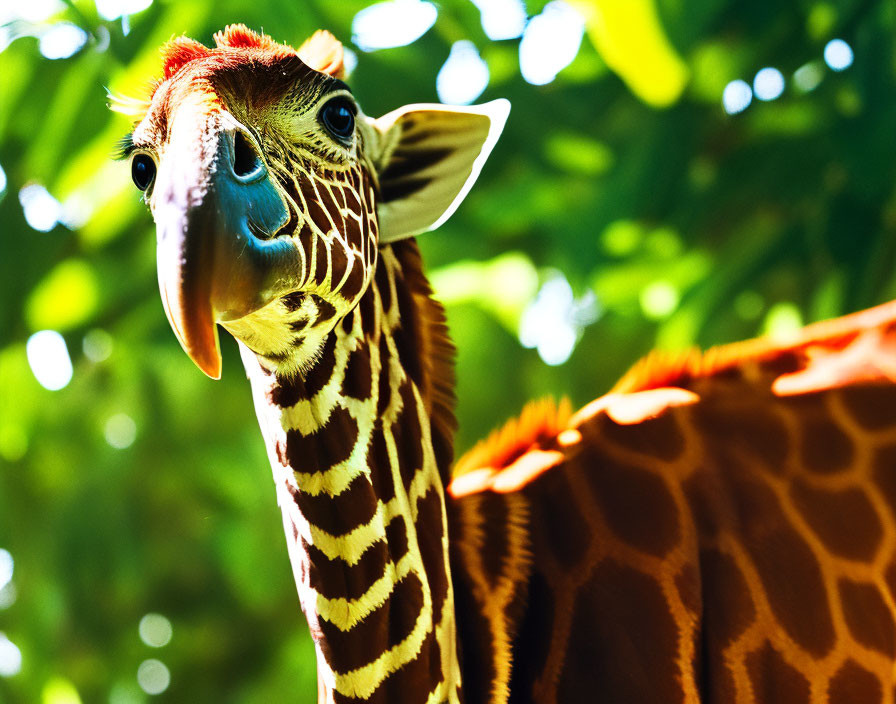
{"points": [[768, 83], [97, 345], [553, 322], [6, 567], [10, 657], [62, 40], [737, 97], [502, 19], [155, 630], [2, 180], [59, 690], [838, 55], [808, 76], [8, 595], [49, 360], [113, 9], [659, 299], [120, 431], [32, 11], [463, 76], [550, 42], [153, 676], [394, 23], [42, 211]]}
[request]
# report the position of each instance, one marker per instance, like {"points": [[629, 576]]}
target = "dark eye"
{"points": [[143, 170], [338, 116]]}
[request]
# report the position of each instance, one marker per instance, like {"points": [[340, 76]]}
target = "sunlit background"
{"points": [[672, 174]]}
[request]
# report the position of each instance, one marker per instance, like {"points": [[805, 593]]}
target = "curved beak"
{"points": [[217, 213]]}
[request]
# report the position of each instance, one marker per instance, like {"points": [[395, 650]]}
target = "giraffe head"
{"points": [[272, 191]]}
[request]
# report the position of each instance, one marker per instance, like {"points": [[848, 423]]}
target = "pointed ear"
{"points": [[432, 155], [323, 52]]}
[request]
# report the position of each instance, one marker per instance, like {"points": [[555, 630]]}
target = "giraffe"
{"points": [[720, 527]]}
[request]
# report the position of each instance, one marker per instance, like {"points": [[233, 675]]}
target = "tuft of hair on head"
{"points": [[179, 51], [239, 36], [323, 52]]}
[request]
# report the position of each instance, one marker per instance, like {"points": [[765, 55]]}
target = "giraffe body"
{"points": [[728, 533], [719, 528]]}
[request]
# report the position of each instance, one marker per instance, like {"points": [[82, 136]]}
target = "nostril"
{"points": [[245, 159]]}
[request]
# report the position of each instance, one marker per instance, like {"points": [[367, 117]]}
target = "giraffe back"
{"points": [[718, 529]]}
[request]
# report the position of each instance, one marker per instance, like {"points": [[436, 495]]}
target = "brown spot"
{"points": [[354, 234], [774, 680], [353, 283], [568, 539], [340, 514], [335, 579], [623, 643], [406, 335], [657, 437], [317, 377], [731, 431], [339, 195], [432, 552], [378, 462], [387, 625], [845, 521], [348, 321], [325, 310], [408, 436], [532, 643], [381, 278], [636, 504], [367, 307], [294, 301], [787, 567], [329, 445], [315, 212], [852, 684], [321, 261], [825, 448], [397, 538], [727, 605], [869, 619], [287, 392], [873, 406], [352, 202], [357, 380]]}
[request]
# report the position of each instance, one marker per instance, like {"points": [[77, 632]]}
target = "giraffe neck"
{"points": [[357, 472]]}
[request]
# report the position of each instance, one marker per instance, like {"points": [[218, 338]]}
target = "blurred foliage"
{"points": [[689, 225]]}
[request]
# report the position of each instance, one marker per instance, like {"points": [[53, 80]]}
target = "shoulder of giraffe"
{"points": [[824, 355], [852, 349]]}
